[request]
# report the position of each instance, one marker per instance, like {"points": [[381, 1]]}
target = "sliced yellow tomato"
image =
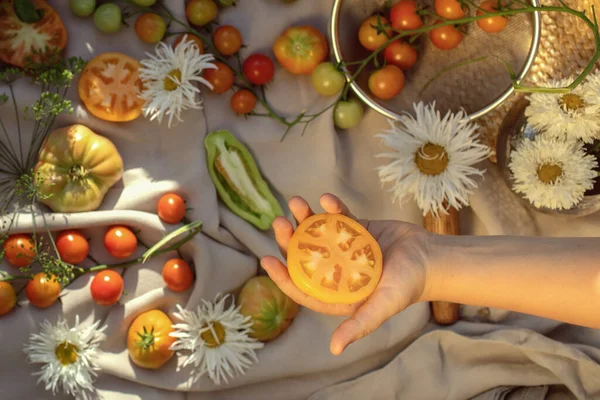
{"points": [[20, 41], [109, 87]]}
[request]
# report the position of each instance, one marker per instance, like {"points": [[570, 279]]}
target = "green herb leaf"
{"points": [[193, 229], [27, 12]]}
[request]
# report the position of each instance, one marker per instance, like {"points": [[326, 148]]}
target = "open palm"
{"points": [[405, 251]]}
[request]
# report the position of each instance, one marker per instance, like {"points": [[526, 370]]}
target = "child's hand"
{"points": [[405, 254]]}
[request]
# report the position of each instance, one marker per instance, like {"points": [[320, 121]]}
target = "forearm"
{"points": [[556, 278]]}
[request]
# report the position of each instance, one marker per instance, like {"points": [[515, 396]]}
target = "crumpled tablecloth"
{"points": [[407, 357]]}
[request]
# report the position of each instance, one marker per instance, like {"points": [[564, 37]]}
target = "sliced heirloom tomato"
{"points": [[334, 259], [20, 41], [109, 86]]}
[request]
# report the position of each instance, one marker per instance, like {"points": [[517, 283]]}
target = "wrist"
{"points": [[439, 249]]}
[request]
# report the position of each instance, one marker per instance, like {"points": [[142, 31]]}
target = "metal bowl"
{"points": [[477, 87]]}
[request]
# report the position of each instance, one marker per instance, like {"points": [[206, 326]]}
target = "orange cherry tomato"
{"points": [[178, 275], [190, 38], [120, 241], [8, 298], [19, 250], [72, 246], [403, 16], [228, 40], [243, 101], [171, 208], [42, 290], [109, 86], [445, 37], [400, 54], [491, 24], [107, 287], [150, 27], [220, 78], [449, 9], [334, 259], [299, 49], [22, 42], [387, 82], [148, 339], [368, 36]]}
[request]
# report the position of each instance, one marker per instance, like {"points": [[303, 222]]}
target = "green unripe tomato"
{"points": [[108, 18], [82, 8], [347, 114], [144, 3], [327, 80], [227, 3]]}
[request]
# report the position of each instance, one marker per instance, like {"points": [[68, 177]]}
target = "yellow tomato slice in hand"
{"points": [[109, 87], [334, 259]]}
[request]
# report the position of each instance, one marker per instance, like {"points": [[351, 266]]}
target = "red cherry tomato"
{"points": [[403, 16], [190, 38], [259, 69], [491, 24], [400, 54], [445, 37], [107, 287], [178, 275], [387, 82], [120, 241], [8, 298], [220, 78], [19, 250], [150, 27], [228, 40], [243, 101], [171, 208], [368, 36], [42, 291], [72, 246], [449, 9]]}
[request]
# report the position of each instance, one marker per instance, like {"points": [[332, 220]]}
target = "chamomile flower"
{"points": [[67, 354], [432, 159], [574, 115], [552, 173], [170, 76], [217, 339]]}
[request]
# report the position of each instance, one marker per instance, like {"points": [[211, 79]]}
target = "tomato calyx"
{"points": [[78, 173], [146, 339]]}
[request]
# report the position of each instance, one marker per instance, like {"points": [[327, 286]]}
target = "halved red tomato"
{"points": [[109, 86], [19, 41]]}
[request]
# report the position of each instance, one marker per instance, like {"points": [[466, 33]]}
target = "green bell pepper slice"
{"points": [[238, 180]]}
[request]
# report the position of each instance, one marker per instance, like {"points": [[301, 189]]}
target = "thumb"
{"points": [[381, 306]]}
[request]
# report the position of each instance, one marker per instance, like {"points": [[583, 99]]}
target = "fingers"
{"points": [[279, 274], [333, 205], [283, 233], [300, 209], [381, 306]]}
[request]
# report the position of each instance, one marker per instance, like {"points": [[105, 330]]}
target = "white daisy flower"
{"points": [[573, 115], [67, 354], [169, 78], [217, 338], [552, 173], [432, 159]]}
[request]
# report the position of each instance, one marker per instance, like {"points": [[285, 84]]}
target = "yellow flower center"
{"points": [[431, 159], [171, 80], [213, 337], [571, 102], [549, 173], [66, 353]]}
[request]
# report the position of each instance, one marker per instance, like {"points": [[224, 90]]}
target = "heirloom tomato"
{"points": [[400, 54], [404, 16], [77, 167], [43, 290], [299, 49], [109, 86], [190, 38], [148, 339], [107, 287], [178, 275], [445, 37], [491, 24], [327, 79], [258, 69], [201, 12], [221, 78], [368, 35], [449, 9], [150, 27], [387, 82], [271, 310], [120, 241], [334, 259], [19, 250], [21, 42], [243, 101], [8, 298], [72, 246], [171, 208], [228, 40]]}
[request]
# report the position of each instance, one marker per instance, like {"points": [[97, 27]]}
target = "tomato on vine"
{"points": [[400, 54], [449, 9], [190, 38], [120, 241], [178, 275], [347, 113], [19, 250], [171, 208], [221, 78], [150, 27], [201, 12], [387, 82], [491, 24], [243, 102], [369, 36], [107, 287], [227, 40], [445, 37], [259, 69], [327, 79], [404, 16], [72, 246], [8, 298], [43, 290]]}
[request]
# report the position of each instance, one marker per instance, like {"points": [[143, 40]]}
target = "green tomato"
{"points": [[144, 3], [227, 3], [82, 8], [347, 114], [328, 80], [108, 18]]}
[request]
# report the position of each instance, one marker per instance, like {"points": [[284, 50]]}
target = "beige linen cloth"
{"points": [[521, 357]]}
